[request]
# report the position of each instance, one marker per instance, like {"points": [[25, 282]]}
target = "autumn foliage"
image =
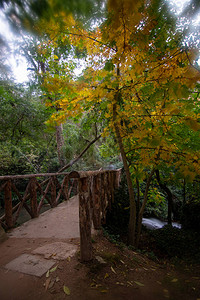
{"points": [[140, 82]]}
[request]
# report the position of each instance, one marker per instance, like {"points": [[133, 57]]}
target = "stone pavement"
{"points": [[58, 222], [34, 247]]}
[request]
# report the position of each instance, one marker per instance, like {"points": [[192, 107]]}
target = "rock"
{"points": [[100, 260], [3, 235]]}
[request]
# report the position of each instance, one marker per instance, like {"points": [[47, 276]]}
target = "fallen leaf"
{"points": [[93, 284], [174, 280], [106, 276], [122, 262], [53, 269], [145, 269], [104, 291], [57, 279], [113, 270], [66, 290], [47, 274], [47, 283], [139, 283], [51, 284], [129, 283], [120, 283]]}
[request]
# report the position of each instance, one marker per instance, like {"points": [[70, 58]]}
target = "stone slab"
{"points": [[58, 250], [30, 264]]}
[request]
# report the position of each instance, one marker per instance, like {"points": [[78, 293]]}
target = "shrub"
{"points": [[175, 242], [190, 218]]}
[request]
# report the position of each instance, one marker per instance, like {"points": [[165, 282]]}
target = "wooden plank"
{"points": [[2, 186], [31, 176], [44, 193], [72, 174], [104, 197], [33, 197], [8, 204], [53, 192], [66, 187], [85, 221], [63, 189], [96, 212]]}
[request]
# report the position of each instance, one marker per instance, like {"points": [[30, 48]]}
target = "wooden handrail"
{"points": [[95, 192]]}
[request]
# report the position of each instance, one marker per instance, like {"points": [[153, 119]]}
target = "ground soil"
{"points": [[123, 274]]}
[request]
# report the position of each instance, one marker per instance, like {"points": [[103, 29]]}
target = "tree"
{"points": [[138, 81], [137, 84], [24, 138]]}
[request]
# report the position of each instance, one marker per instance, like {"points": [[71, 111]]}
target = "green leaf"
{"points": [[66, 290], [139, 283], [109, 66], [53, 269], [174, 280], [47, 274]]}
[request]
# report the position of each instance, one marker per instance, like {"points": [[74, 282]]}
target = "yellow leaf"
{"points": [[47, 274], [139, 283], [104, 291], [174, 280], [113, 270], [53, 269], [66, 290]]}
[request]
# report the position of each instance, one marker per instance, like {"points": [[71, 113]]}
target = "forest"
{"points": [[111, 84]]}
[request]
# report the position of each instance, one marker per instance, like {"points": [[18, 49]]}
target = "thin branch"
{"points": [[191, 64], [73, 161]]}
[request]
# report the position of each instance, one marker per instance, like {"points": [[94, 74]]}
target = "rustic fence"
{"points": [[95, 190]]}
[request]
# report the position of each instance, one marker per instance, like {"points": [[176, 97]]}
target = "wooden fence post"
{"points": [[96, 202], [85, 219], [33, 197], [53, 192], [66, 187], [8, 204]]}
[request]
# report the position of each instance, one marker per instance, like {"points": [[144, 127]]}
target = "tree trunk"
{"points": [[132, 218], [139, 227], [169, 197], [60, 145]]}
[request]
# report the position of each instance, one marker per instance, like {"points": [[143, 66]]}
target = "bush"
{"points": [[175, 242], [117, 219], [190, 218]]}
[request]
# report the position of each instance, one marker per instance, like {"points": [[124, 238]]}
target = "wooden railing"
{"points": [[95, 190], [96, 193], [31, 192]]}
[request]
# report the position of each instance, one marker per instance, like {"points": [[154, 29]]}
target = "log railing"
{"points": [[96, 193], [95, 190], [37, 189]]}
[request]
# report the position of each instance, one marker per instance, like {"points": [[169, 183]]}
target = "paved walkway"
{"points": [[34, 247], [60, 222]]}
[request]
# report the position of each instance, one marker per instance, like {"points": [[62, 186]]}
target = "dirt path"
{"points": [[115, 273]]}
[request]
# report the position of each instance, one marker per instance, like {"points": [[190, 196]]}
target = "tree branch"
{"points": [[73, 161]]}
